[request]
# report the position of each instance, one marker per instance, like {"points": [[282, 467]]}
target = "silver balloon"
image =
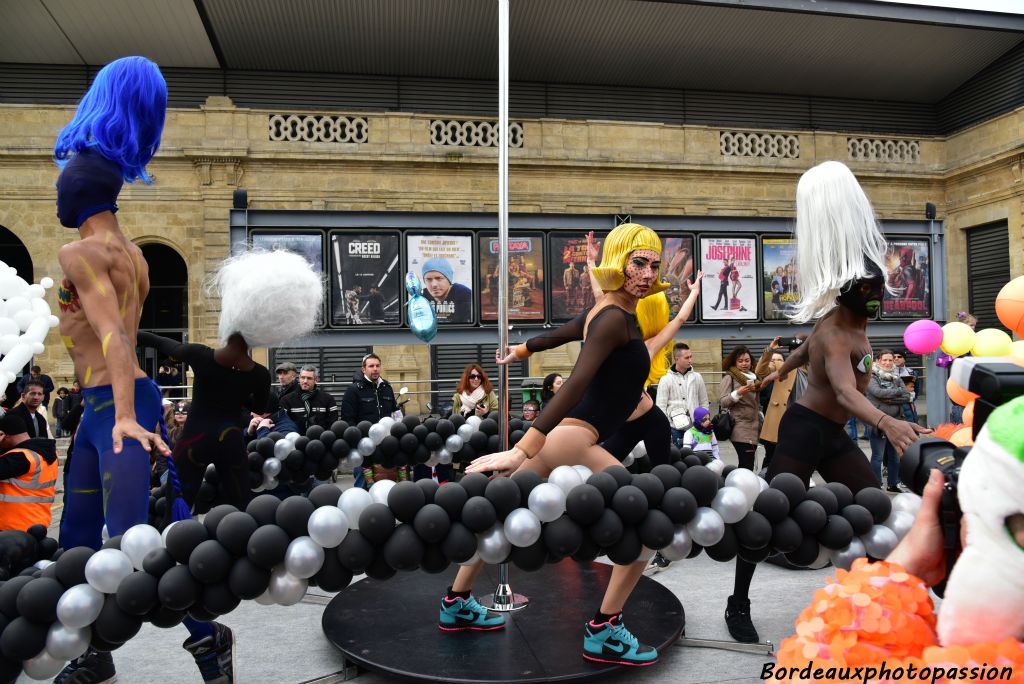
{"points": [[900, 522], [270, 483], [351, 461], [565, 477], [304, 558], [292, 436], [435, 458], [547, 501], [379, 491], [707, 527], [43, 666], [465, 431], [473, 560], [377, 433], [731, 503], [42, 564], [879, 541], [746, 481], [106, 568], [474, 421], [282, 448], [522, 527], [285, 588], [453, 443], [640, 450], [79, 606], [352, 503], [908, 502], [584, 471], [271, 467], [444, 457], [163, 535], [493, 546], [679, 547], [137, 541], [628, 460], [823, 559], [387, 422], [365, 447], [844, 557], [716, 466], [63, 643], [762, 483], [265, 599], [328, 526]]}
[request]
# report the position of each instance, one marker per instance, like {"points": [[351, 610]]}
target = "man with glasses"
{"points": [[310, 405], [531, 409], [369, 397]]}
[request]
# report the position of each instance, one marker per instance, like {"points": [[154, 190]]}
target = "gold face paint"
{"points": [[92, 276], [106, 341], [88, 374], [68, 342], [124, 303]]}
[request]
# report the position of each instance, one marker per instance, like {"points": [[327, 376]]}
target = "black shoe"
{"points": [[715, 307], [737, 618], [214, 655], [658, 563], [893, 488], [92, 667]]}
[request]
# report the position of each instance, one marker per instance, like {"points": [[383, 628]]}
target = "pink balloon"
{"points": [[922, 337]]}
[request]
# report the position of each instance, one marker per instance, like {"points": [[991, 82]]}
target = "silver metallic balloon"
{"points": [[453, 443], [377, 433], [640, 450], [900, 522], [746, 481], [379, 491], [628, 460], [292, 436], [444, 457], [707, 527], [365, 447], [282, 448], [106, 568], [547, 501], [63, 643], [352, 503], [492, 545], [271, 467], [42, 564], [522, 527], [79, 606], [907, 502], [679, 547], [844, 557], [731, 503], [879, 541], [304, 558], [565, 477], [137, 541], [435, 458], [465, 431], [474, 421], [351, 461], [584, 471], [716, 466], [163, 535], [328, 526], [762, 483], [285, 588], [823, 559], [43, 665], [387, 422], [270, 483], [265, 599]]}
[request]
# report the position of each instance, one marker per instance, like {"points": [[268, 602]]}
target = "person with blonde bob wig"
{"points": [[594, 402]]}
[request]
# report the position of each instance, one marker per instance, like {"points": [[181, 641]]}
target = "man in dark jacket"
{"points": [[310, 405], [28, 476], [45, 381], [369, 397]]}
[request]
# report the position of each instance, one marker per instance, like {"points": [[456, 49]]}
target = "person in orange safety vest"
{"points": [[28, 476]]}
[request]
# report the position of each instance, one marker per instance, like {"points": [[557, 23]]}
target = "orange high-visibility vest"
{"points": [[26, 500]]}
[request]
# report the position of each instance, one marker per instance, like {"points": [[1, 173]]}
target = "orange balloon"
{"points": [[958, 394], [962, 437], [969, 414]]}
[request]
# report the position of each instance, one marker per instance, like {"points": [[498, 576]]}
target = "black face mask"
{"points": [[88, 185], [864, 295]]}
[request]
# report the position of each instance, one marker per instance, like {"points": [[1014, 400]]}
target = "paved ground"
{"points": [[286, 645]]}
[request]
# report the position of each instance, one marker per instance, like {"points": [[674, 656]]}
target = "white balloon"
{"points": [[879, 541], [474, 421], [163, 535], [716, 466], [106, 568], [377, 433], [282, 448], [352, 503], [731, 503], [547, 501], [42, 564], [328, 526], [746, 481], [453, 443], [304, 558], [379, 491], [272, 466], [900, 522], [286, 589], [46, 282], [366, 446], [43, 665], [7, 326], [762, 483], [63, 643], [444, 457], [35, 291], [907, 502], [493, 546], [640, 450], [139, 540], [707, 527], [292, 436], [565, 477], [79, 606], [387, 422], [584, 471], [465, 431], [679, 547], [522, 527], [628, 460]]}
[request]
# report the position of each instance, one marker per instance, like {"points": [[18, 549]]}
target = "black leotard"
{"points": [[213, 432], [608, 377]]}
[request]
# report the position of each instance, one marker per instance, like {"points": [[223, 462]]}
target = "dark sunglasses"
{"points": [[897, 356], [475, 375]]}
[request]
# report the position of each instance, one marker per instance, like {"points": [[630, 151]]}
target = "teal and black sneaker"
{"points": [[611, 642], [460, 614]]}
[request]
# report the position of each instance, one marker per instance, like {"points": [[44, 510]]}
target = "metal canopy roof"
{"points": [[832, 48]]}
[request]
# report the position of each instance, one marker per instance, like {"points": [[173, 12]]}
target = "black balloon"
{"points": [[445, 428], [294, 461], [701, 482], [248, 580], [332, 576], [352, 435], [429, 488], [691, 460], [626, 549], [479, 441], [377, 522], [327, 438], [379, 569], [669, 475], [584, 504], [489, 426], [340, 448], [432, 523], [451, 497], [725, 473], [433, 441], [772, 504], [526, 480], [656, 530], [355, 552], [434, 561], [404, 549], [301, 442], [786, 535], [267, 546], [408, 443], [810, 516], [837, 533], [315, 450], [562, 536], [265, 447], [114, 625], [529, 558], [493, 444], [755, 555], [326, 494], [263, 508], [588, 551], [630, 503], [650, 484], [605, 483], [478, 514], [399, 429], [183, 537], [218, 599], [112, 543], [293, 514], [37, 600], [679, 505], [622, 476], [47, 547], [790, 485], [9, 595], [806, 553], [504, 495], [234, 531], [844, 497], [753, 531], [389, 445], [158, 561], [213, 518], [405, 500], [137, 593], [726, 549], [23, 639], [164, 617], [364, 427], [825, 497], [200, 613], [513, 436], [876, 501], [459, 544], [210, 562], [859, 517], [475, 484], [314, 431], [338, 427], [177, 589], [421, 455], [608, 529]]}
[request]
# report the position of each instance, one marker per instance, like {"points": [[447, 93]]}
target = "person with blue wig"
{"points": [[115, 132]]}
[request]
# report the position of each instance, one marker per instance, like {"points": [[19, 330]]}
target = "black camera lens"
{"points": [[927, 454]]}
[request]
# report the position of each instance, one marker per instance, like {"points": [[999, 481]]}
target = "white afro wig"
{"points": [[267, 297]]}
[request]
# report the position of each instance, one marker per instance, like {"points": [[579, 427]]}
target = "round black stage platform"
{"points": [[391, 626]]}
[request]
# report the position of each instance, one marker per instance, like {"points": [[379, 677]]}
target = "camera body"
{"points": [[793, 342]]}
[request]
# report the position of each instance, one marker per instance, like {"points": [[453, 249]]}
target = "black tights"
{"points": [[745, 454]]}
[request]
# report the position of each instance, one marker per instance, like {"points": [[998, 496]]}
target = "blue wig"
{"points": [[121, 117]]}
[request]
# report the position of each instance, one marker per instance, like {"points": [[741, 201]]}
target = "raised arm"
{"points": [[564, 334], [657, 343], [168, 347], [593, 251]]}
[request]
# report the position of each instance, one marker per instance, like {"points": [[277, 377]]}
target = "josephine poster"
{"points": [[731, 284]]}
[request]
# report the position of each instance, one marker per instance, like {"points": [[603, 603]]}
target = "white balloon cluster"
{"points": [[25, 319]]}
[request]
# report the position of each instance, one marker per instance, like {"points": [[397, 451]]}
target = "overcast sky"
{"points": [[1009, 6]]}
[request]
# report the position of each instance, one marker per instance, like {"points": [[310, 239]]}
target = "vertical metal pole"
{"points": [[505, 599]]}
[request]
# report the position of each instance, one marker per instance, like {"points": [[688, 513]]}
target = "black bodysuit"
{"points": [[221, 398], [608, 377]]}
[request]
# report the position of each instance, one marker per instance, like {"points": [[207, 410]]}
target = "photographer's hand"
{"points": [[921, 552]]}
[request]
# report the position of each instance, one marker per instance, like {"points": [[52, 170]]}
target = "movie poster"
{"points": [[908, 266], [525, 277], [731, 285], [678, 269], [444, 265], [310, 246], [779, 284], [366, 279], [571, 293]]}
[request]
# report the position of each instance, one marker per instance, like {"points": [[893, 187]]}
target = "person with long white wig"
{"points": [[840, 252]]}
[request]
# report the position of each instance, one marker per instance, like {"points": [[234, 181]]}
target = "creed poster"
{"points": [[908, 264], [731, 285], [366, 279], [525, 277], [444, 265], [778, 279], [571, 293]]}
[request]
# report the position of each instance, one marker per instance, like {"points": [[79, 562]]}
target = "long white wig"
{"points": [[836, 231], [267, 297]]}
